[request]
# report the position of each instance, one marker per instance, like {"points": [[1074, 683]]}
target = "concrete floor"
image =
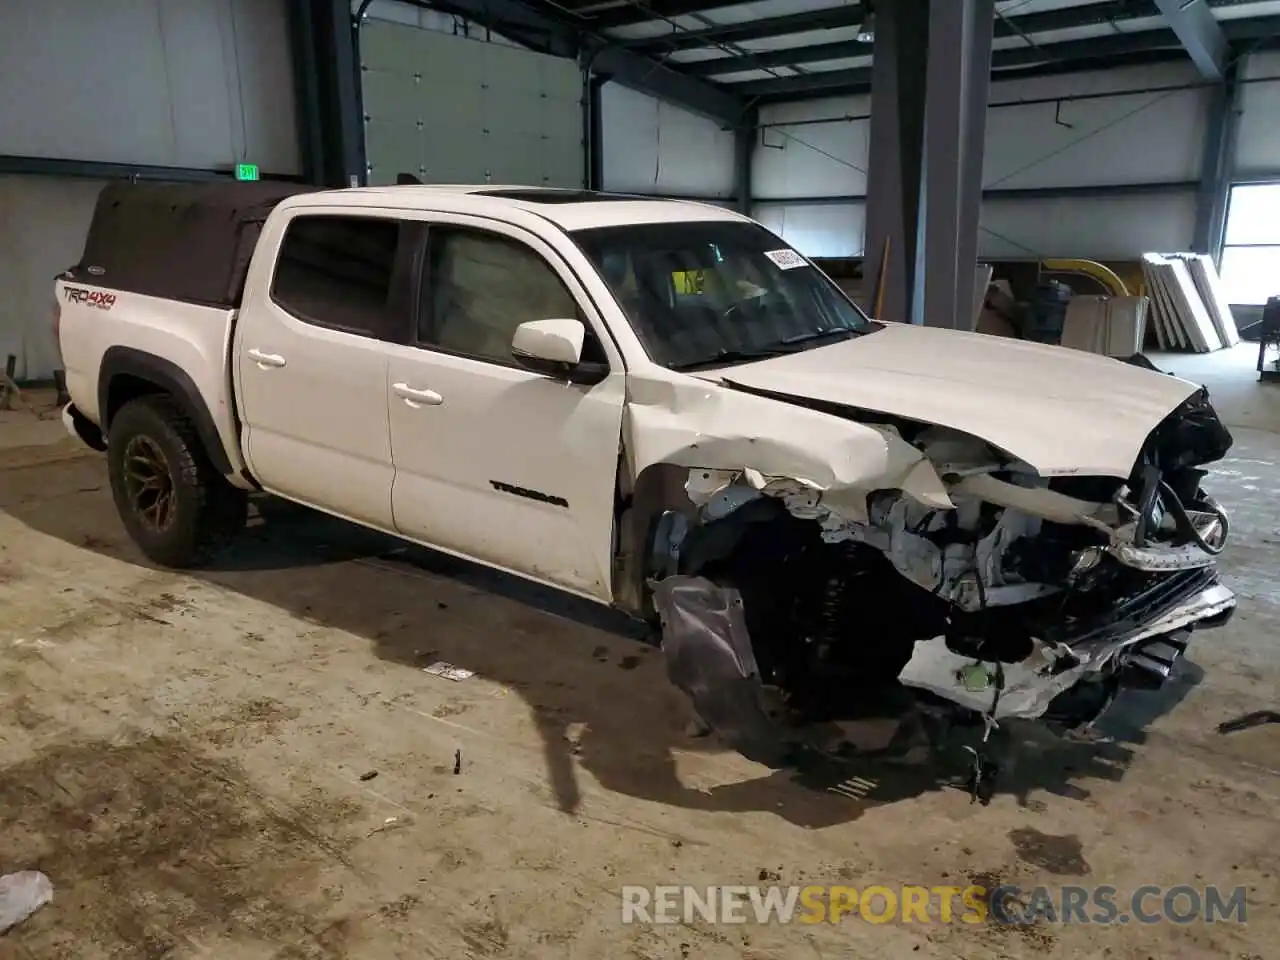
{"points": [[187, 757]]}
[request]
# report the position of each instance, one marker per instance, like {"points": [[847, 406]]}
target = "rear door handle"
{"points": [[265, 360], [414, 397]]}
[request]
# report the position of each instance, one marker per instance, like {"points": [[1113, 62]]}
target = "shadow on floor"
{"points": [[577, 665]]}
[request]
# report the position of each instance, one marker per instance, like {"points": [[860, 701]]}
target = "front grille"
{"points": [[1140, 608]]}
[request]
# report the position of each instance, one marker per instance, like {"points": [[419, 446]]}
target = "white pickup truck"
{"points": [[662, 407]]}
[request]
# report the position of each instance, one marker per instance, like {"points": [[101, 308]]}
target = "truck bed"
{"points": [[184, 242]]}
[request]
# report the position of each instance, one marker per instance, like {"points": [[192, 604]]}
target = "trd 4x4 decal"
{"points": [[91, 298]]}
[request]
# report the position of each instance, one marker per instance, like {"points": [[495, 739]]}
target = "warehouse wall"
{"points": [[1119, 138], [43, 222], [1258, 145], [199, 83], [796, 159], [450, 103], [655, 148]]}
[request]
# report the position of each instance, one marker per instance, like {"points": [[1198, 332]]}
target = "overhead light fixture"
{"points": [[867, 32]]}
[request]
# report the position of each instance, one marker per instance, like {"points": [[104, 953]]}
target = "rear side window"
{"points": [[336, 272]]}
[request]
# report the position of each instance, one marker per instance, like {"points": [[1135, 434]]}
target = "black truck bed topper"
{"points": [[189, 242]]}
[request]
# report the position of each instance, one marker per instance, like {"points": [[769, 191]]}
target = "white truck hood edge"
{"points": [[1062, 411]]}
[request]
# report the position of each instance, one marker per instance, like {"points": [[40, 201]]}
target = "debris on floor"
{"points": [[391, 823], [573, 734], [447, 670], [21, 895], [1249, 720]]}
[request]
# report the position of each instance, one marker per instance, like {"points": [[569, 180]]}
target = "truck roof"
{"points": [[567, 208], [193, 242]]}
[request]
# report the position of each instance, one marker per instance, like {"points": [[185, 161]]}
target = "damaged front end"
{"points": [[994, 593]]}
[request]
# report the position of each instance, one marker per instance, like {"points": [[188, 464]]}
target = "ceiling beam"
{"points": [[1198, 32], [650, 77], [788, 56], [830, 19], [607, 14], [1110, 49], [852, 15], [1093, 47], [603, 57]]}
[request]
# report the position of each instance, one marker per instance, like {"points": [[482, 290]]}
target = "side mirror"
{"points": [[554, 348]]}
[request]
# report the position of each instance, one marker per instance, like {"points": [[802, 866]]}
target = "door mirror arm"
{"points": [[584, 372]]}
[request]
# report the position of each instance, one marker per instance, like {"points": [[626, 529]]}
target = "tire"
{"points": [[184, 512]]}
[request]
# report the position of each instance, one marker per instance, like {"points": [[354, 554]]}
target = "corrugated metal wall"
{"points": [[200, 83], [449, 104], [1116, 137]]}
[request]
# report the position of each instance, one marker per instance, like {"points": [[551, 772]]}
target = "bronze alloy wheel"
{"points": [[149, 482]]}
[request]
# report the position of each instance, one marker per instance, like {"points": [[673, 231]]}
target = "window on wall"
{"points": [[1251, 253]]}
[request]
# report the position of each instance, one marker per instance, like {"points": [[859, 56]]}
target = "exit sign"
{"points": [[246, 171]]}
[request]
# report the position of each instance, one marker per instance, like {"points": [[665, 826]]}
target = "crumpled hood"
{"points": [[1062, 411]]}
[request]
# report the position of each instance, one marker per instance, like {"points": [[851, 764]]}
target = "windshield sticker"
{"points": [[786, 259]]}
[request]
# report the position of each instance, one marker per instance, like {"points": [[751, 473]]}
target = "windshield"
{"points": [[718, 292]]}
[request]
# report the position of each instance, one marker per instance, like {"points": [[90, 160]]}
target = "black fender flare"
{"points": [[174, 381]]}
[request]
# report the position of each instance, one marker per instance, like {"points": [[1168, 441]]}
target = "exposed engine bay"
{"points": [[1031, 598]]}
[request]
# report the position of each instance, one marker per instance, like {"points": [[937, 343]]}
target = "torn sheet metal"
{"points": [[1031, 684], [688, 424], [965, 574]]}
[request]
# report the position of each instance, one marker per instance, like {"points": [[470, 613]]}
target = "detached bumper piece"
{"points": [[1136, 644]]}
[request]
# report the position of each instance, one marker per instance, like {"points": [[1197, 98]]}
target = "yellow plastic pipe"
{"points": [[1091, 268]]}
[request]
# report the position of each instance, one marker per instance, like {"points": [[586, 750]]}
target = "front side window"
{"points": [[479, 286], [335, 271], [718, 292]]}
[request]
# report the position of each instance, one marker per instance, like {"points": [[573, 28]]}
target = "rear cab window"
{"points": [[339, 272]]}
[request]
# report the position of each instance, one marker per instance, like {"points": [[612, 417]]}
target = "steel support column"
{"points": [[593, 129], [1218, 165], [958, 84], [744, 148], [327, 73], [896, 156], [924, 186], [302, 51]]}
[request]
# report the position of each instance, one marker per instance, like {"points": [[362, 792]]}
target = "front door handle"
{"points": [[413, 396], [265, 360]]}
